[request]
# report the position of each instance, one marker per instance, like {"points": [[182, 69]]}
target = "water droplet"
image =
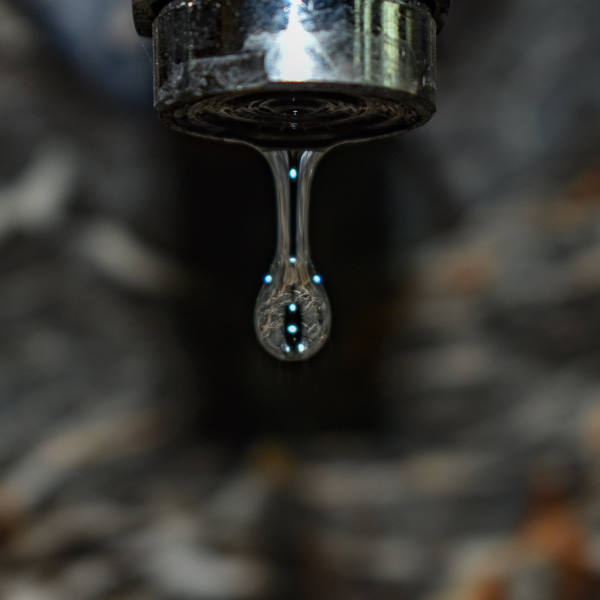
{"points": [[292, 318]]}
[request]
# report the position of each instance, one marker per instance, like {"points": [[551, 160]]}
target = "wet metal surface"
{"points": [[300, 74]]}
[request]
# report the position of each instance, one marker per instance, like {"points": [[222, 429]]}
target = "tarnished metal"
{"points": [[145, 11], [293, 72]]}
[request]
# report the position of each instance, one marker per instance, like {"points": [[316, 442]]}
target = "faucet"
{"points": [[293, 73], [293, 78]]}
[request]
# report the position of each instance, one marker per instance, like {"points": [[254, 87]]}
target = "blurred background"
{"points": [[446, 443]]}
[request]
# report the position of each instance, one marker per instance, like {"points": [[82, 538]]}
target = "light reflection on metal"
{"points": [[290, 57], [294, 73]]}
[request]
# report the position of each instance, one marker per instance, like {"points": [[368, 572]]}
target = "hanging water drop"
{"points": [[292, 318]]}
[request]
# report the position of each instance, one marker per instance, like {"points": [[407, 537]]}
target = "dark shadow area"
{"points": [[445, 444]]}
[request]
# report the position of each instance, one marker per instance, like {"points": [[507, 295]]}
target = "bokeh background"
{"points": [[446, 443]]}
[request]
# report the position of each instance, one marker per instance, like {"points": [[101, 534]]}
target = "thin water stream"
{"points": [[292, 317]]}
